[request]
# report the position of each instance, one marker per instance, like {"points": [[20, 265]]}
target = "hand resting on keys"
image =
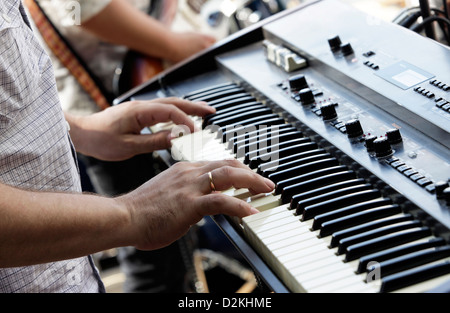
{"points": [[115, 133], [163, 209]]}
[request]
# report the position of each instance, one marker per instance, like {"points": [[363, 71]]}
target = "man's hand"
{"points": [[163, 209], [115, 133]]}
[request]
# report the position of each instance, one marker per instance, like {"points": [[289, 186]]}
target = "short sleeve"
{"points": [[70, 12], [91, 8]]}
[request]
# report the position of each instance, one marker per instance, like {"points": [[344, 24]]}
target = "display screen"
{"points": [[409, 78], [404, 75]]}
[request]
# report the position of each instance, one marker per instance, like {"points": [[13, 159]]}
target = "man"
{"points": [[101, 33], [47, 227]]}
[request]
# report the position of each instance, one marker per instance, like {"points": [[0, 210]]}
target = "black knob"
{"points": [[440, 187], [353, 128], [306, 96], [298, 82], [328, 111], [394, 136], [335, 43], [346, 49], [369, 143], [382, 147], [446, 195]]}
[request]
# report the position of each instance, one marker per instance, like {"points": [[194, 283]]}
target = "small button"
{"points": [[403, 168], [410, 172], [339, 125], [6, 18], [416, 177], [424, 182], [343, 129], [397, 164], [392, 159]]}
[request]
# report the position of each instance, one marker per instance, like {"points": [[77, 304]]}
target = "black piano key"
{"points": [[241, 147], [249, 125], [209, 89], [352, 231], [397, 252], [290, 158], [311, 211], [411, 260], [208, 96], [281, 153], [275, 129], [325, 189], [253, 155], [269, 142], [231, 101], [385, 242], [414, 276], [371, 234], [302, 169], [207, 120], [331, 176], [315, 186], [290, 186], [300, 161], [246, 122], [240, 115], [301, 205], [334, 221], [352, 219]]}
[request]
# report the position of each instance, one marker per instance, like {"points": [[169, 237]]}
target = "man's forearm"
{"points": [[56, 226]]}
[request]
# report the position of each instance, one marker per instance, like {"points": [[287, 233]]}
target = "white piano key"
{"points": [[264, 202], [254, 217]]}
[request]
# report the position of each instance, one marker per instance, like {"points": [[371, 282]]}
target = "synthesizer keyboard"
{"points": [[353, 127]]}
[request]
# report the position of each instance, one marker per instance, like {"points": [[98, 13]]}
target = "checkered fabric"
{"points": [[35, 148]]}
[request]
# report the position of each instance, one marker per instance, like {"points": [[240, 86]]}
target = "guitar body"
{"points": [[137, 68]]}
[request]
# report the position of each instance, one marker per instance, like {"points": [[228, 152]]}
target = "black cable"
{"points": [[426, 13], [445, 5], [426, 22], [407, 18]]}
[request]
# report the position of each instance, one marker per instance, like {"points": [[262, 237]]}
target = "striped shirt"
{"points": [[35, 148]]}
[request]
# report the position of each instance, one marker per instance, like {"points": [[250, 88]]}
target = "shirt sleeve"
{"points": [[72, 12], [90, 8]]}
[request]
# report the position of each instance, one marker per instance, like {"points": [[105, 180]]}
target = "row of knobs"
{"points": [[380, 146]]}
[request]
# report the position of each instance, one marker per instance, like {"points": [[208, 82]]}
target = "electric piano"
{"points": [[350, 117]]}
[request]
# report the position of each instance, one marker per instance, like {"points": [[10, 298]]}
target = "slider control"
{"points": [[335, 43], [298, 82], [347, 49]]}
